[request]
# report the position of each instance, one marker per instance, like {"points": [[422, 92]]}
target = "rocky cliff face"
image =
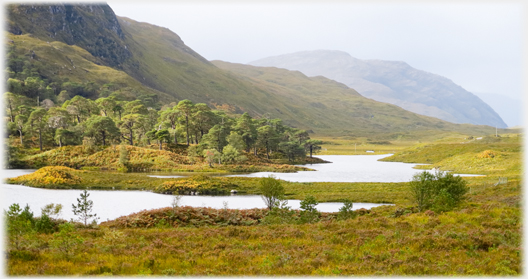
{"points": [[92, 27], [393, 82]]}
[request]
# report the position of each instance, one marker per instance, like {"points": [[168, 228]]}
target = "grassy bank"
{"points": [[492, 156]]}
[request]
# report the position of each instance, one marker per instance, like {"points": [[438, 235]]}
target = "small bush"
{"points": [[272, 191], [346, 211], [309, 213], [439, 192]]}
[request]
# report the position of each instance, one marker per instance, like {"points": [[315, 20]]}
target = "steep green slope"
{"points": [[57, 61]]}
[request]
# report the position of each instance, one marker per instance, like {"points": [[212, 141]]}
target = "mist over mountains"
{"points": [[392, 82]]}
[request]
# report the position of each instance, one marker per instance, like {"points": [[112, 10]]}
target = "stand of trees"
{"points": [[110, 120]]}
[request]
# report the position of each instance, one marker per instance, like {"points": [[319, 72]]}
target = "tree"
{"points": [[216, 137], [203, 119], [267, 138], [245, 126], [83, 209], [106, 104], [127, 126], [292, 149], [440, 192], [81, 108], [346, 211], [272, 191], [12, 101], [37, 121], [66, 137], [19, 223], [20, 120], [313, 146], [301, 136], [185, 107], [170, 118], [162, 135], [211, 155], [229, 154], [102, 126], [236, 141]]}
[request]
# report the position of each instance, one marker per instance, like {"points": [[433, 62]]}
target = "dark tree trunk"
{"points": [[187, 128], [40, 139], [103, 134], [11, 112], [311, 148], [21, 137], [159, 144]]}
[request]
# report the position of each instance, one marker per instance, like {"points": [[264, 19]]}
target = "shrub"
{"points": [[346, 211], [272, 191], [280, 214], [309, 213], [439, 192]]}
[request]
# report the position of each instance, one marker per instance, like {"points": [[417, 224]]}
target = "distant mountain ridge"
{"points": [[392, 82]]}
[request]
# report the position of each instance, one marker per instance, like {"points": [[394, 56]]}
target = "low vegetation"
{"points": [[481, 237]]}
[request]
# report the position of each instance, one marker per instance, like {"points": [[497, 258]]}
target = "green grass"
{"points": [[467, 156]]}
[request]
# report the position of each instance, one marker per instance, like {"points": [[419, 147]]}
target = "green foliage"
{"points": [[272, 191], [19, 225], [66, 239], [440, 192], [211, 155], [346, 211], [83, 209], [281, 214], [102, 128], [52, 210], [309, 213], [230, 154]]}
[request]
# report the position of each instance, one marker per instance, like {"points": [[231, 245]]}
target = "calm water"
{"points": [[112, 204]]}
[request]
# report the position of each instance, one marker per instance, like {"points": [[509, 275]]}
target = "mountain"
{"points": [[509, 109], [90, 44], [392, 82]]}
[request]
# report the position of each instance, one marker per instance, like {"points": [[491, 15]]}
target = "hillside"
{"points": [[335, 105], [392, 82], [157, 62]]}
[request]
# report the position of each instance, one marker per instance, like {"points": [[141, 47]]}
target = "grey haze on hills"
{"points": [[392, 82]]}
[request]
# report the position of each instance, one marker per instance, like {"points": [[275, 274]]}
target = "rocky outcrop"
{"points": [[92, 27]]}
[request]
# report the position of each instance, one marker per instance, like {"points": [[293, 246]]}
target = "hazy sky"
{"points": [[476, 44]]}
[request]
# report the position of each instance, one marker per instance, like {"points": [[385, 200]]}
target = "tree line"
{"points": [[110, 120]]}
